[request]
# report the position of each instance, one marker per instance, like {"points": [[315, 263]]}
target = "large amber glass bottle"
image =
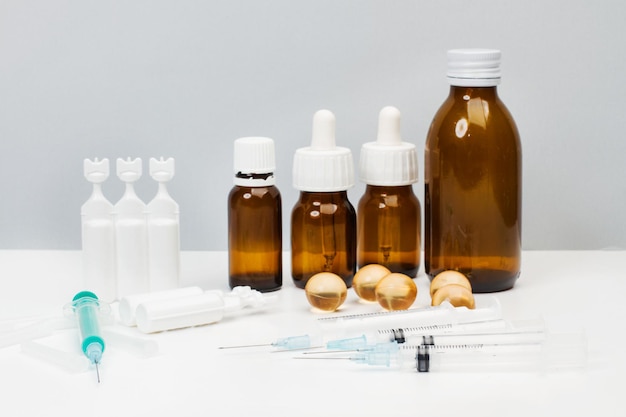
{"points": [[389, 213], [255, 218], [473, 178], [323, 221]]}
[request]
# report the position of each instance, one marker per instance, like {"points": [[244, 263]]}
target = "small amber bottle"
{"points": [[389, 213], [255, 218], [323, 221], [473, 178]]}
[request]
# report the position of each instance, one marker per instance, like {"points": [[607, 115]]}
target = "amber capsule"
{"points": [[449, 277], [366, 278], [396, 291], [457, 295], [326, 291]]}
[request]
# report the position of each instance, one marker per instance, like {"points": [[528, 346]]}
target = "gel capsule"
{"points": [[457, 295], [396, 291], [449, 277], [326, 291], [366, 278]]}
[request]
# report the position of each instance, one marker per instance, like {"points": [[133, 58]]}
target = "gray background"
{"points": [[85, 79]]}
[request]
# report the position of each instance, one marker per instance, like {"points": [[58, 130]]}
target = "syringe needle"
{"points": [[244, 346], [97, 371]]}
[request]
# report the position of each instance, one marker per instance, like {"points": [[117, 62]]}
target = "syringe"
{"points": [[557, 351], [414, 334], [86, 307], [445, 313]]}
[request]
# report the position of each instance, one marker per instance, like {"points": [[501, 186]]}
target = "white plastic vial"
{"points": [[163, 230], [98, 234], [131, 233]]}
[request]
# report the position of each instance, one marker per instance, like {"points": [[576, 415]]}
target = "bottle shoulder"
{"points": [[472, 116], [242, 191], [332, 203]]}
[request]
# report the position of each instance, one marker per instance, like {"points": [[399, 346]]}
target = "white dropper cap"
{"points": [[254, 155], [389, 161], [323, 166], [474, 67]]}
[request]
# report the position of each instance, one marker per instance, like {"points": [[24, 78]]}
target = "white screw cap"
{"points": [[474, 67]]}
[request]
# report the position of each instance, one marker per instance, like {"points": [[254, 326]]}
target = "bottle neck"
{"points": [[255, 180], [466, 93], [323, 196], [390, 190]]}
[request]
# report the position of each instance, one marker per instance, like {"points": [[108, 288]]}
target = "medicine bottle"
{"points": [[323, 221], [255, 218], [473, 178], [389, 213]]}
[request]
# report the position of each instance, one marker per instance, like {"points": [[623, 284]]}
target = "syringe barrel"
{"points": [[338, 327], [87, 309], [557, 351]]}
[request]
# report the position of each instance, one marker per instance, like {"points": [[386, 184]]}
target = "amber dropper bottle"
{"points": [[473, 178], [255, 218], [389, 213], [323, 221]]}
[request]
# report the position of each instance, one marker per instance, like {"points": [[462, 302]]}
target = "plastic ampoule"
{"points": [[389, 213], [98, 234], [131, 233], [163, 230], [323, 221]]}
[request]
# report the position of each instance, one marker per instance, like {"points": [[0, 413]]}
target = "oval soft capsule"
{"points": [[396, 291], [366, 278], [457, 295], [326, 291], [449, 277]]}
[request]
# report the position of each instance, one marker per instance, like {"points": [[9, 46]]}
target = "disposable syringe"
{"points": [[485, 332], [357, 326], [86, 307], [557, 351], [336, 327]]}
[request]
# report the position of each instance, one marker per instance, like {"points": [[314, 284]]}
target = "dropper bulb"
{"points": [[389, 126], [323, 130]]}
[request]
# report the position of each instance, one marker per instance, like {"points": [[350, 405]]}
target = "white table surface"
{"points": [[190, 376]]}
